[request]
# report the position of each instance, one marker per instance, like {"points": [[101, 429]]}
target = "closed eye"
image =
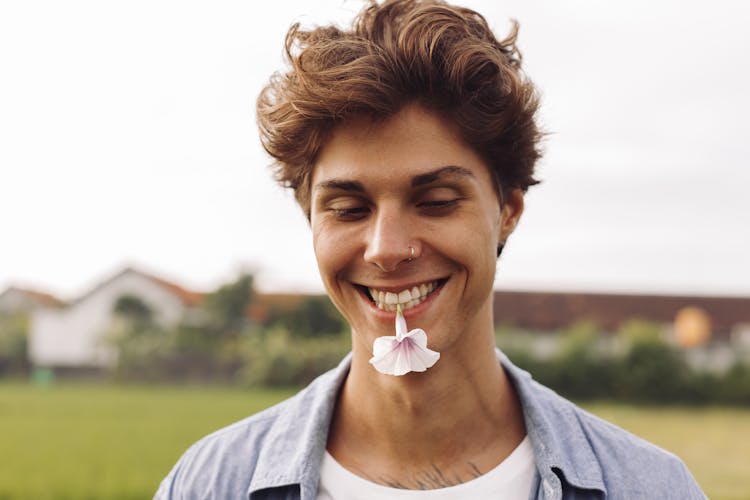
{"points": [[438, 207], [350, 214]]}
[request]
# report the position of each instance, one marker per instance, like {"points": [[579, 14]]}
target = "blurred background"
{"points": [[155, 284]]}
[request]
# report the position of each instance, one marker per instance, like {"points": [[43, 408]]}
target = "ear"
{"points": [[511, 213]]}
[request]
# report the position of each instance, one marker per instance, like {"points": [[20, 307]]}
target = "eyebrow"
{"points": [[340, 185], [418, 180], [430, 177]]}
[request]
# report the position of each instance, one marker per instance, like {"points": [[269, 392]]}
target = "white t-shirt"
{"points": [[510, 480]]}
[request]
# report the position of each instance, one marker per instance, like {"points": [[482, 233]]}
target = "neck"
{"points": [[463, 410]]}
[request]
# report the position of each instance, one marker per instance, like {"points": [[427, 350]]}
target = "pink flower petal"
{"points": [[418, 336], [404, 353], [383, 345], [394, 357]]}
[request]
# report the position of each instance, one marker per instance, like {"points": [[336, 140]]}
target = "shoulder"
{"points": [[279, 445], [634, 467], [629, 466], [223, 461]]}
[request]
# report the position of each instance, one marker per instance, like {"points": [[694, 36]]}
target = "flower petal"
{"points": [[383, 345], [399, 358], [402, 364], [389, 362], [418, 336], [403, 353], [421, 358]]}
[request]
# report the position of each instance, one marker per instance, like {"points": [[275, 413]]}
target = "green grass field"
{"points": [[87, 441]]}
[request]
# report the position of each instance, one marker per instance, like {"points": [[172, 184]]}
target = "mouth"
{"points": [[387, 300]]}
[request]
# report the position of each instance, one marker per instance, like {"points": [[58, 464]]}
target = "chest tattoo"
{"points": [[431, 479]]}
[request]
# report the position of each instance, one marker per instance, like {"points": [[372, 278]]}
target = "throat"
{"points": [[422, 427]]}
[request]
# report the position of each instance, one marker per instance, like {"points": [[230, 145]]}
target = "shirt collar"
{"points": [[561, 448], [293, 448]]}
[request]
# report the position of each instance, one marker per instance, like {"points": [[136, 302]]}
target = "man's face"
{"points": [[379, 188]]}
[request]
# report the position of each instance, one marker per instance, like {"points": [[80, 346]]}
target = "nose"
{"points": [[388, 240]]}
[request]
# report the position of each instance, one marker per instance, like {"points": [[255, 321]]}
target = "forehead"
{"points": [[410, 143]]}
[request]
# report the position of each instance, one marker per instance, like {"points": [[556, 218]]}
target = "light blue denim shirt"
{"points": [[276, 454]]}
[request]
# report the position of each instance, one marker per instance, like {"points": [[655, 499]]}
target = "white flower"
{"points": [[404, 353]]}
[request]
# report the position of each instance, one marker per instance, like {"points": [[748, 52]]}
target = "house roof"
{"points": [[38, 297], [263, 304], [187, 297], [547, 310]]}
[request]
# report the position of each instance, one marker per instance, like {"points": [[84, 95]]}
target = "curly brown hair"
{"points": [[442, 57]]}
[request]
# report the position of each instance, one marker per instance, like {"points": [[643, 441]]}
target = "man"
{"points": [[410, 141]]}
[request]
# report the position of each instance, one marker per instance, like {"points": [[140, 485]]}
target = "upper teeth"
{"points": [[407, 298]]}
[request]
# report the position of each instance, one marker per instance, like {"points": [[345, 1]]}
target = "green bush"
{"points": [[142, 353], [580, 369], [275, 358], [13, 344], [636, 365], [735, 387], [314, 316], [651, 371]]}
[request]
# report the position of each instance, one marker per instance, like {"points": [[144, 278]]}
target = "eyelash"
{"points": [[438, 208], [350, 214], [438, 203], [434, 208]]}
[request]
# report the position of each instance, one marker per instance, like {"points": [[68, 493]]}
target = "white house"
{"points": [[74, 336]]}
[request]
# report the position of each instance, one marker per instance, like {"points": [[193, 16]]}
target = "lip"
{"points": [[389, 316]]}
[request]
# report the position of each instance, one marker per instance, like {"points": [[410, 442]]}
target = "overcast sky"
{"points": [[127, 136]]}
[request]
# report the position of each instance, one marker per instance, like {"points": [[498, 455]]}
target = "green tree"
{"points": [[143, 347], [134, 311], [226, 308]]}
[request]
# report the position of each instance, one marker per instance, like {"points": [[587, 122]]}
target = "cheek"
{"points": [[324, 251], [332, 252], [482, 235]]}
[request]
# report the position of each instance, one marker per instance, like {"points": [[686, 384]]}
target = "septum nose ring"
{"points": [[411, 254]]}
